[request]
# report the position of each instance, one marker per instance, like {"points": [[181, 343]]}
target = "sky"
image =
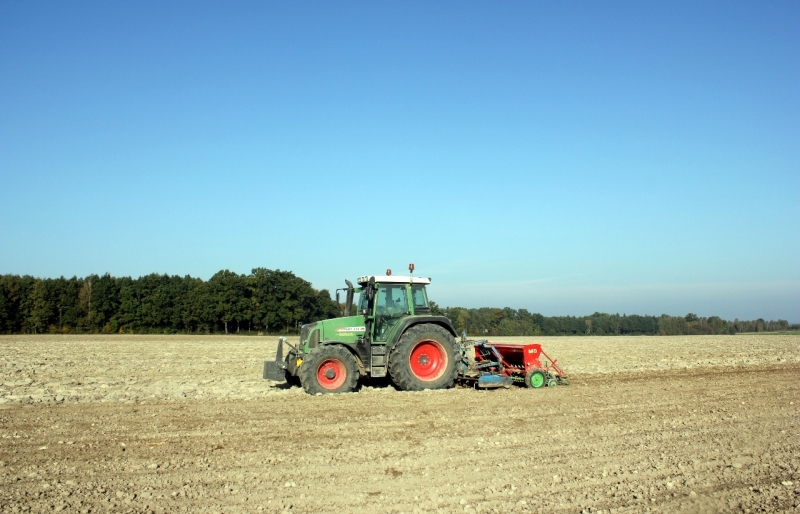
{"points": [[562, 157]]}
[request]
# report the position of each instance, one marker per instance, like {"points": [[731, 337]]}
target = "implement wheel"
{"points": [[329, 369], [534, 379], [425, 357]]}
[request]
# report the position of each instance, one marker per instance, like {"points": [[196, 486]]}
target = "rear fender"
{"points": [[409, 322]]}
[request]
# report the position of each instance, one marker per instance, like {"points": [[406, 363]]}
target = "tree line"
{"points": [[275, 301], [267, 301], [510, 322]]}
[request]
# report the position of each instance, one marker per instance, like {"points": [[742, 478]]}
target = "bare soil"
{"points": [[176, 423]]}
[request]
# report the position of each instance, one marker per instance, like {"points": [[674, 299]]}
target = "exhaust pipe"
{"points": [[348, 307]]}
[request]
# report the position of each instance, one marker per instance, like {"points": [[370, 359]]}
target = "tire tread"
{"points": [[307, 372], [399, 368]]}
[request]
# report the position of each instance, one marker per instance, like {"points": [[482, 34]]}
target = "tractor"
{"points": [[393, 334]]}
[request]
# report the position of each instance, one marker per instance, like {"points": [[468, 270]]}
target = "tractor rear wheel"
{"points": [[534, 379], [328, 369], [425, 357]]}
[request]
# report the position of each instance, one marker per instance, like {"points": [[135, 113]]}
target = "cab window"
{"points": [[419, 296], [392, 300], [363, 302]]}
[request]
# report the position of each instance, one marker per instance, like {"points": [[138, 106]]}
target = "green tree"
{"points": [[41, 310], [226, 287]]}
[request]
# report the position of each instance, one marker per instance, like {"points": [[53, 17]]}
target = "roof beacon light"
{"points": [[411, 267], [388, 273]]}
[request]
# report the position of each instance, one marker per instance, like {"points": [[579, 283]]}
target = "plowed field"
{"points": [[185, 424]]}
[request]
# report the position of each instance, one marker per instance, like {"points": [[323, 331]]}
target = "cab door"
{"points": [[391, 304]]}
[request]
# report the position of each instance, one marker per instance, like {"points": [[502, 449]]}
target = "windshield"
{"points": [[362, 302]]}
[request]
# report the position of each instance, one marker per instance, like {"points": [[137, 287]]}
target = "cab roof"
{"points": [[394, 279]]}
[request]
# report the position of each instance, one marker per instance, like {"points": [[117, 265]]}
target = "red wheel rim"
{"points": [[428, 360], [331, 374]]}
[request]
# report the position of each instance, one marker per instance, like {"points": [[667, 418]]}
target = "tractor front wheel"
{"points": [[291, 370], [292, 380], [329, 369], [534, 379], [425, 357]]}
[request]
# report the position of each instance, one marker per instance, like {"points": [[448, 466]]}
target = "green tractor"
{"points": [[393, 335]]}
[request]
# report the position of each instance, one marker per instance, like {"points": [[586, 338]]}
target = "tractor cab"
{"points": [[386, 300]]}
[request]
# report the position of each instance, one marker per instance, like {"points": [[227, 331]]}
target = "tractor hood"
{"points": [[344, 330]]}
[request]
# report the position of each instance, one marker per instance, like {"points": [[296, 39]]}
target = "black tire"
{"points": [[291, 370], [328, 369], [292, 380], [534, 379], [437, 356]]}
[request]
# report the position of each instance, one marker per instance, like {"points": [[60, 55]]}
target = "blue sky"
{"points": [[564, 157]]}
